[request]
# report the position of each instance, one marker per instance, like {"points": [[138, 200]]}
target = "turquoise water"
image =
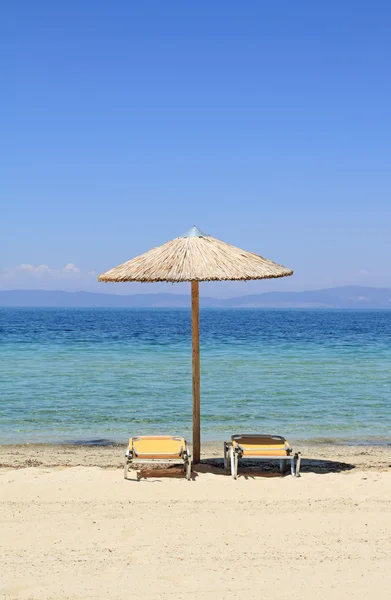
{"points": [[104, 374]]}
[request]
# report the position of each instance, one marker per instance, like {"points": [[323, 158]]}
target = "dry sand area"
{"points": [[82, 532]]}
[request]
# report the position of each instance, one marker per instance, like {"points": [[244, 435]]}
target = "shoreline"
{"points": [[317, 456], [107, 442]]}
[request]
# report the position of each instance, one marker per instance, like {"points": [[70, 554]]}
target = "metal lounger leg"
{"points": [[293, 466], [225, 456], [188, 469], [298, 462], [234, 470]]}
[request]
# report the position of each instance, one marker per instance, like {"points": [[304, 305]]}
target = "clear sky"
{"points": [[266, 124]]}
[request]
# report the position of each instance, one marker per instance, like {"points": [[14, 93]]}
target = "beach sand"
{"points": [[72, 528]]}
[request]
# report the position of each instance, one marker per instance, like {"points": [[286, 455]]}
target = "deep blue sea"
{"points": [[82, 375]]}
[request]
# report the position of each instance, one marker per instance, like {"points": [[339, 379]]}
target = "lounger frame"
{"points": [[232, 454], [185, 457]]}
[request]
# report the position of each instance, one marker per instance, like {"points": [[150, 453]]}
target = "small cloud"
{"points": [[26, 268], [92, 273], [34, 269], [28, 271], [71, 268], [363, 273], [41, 270], [363, 299]]}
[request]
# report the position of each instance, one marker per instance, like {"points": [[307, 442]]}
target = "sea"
{"points": [[100, 375]]}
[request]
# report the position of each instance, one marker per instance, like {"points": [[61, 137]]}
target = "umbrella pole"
{"points": [[195, 322]]}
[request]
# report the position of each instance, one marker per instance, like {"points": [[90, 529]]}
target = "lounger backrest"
{"points": [[157, 446]]}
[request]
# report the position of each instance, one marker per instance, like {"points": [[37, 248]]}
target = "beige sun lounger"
{"points": [[260, 447], [161, 449]]}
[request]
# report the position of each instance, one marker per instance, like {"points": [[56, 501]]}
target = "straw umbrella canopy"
{"points": [[195, 257]]}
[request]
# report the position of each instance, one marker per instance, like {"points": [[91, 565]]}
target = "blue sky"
{"points": [[264, 124]]}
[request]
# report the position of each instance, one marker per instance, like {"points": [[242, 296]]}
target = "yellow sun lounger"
{"points": [[260, 447], [158, 449]]}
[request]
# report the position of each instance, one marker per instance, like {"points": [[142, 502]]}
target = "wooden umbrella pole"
{"points": [[195, 322]]}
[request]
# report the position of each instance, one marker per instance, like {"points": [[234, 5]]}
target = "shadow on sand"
{"points": [[270, 469], [247, 469]]}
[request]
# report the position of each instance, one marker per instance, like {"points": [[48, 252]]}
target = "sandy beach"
{"points": [[72, 528]]}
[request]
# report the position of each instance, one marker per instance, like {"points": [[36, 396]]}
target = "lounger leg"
{"points": [[233, 463], [293, 466], [188, 469], [227, 457], [298, 461], [282, 466]]}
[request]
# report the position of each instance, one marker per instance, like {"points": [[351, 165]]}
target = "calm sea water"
{"points": [[103, 374]]}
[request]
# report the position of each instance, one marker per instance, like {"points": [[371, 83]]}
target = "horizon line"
{"points": [[323, 289]]}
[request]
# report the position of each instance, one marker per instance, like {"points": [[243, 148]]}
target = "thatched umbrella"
{"points": [[195, 257]]}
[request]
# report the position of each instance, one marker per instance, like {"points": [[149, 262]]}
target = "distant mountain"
{"points": [[88, 299], [339, 297]]}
